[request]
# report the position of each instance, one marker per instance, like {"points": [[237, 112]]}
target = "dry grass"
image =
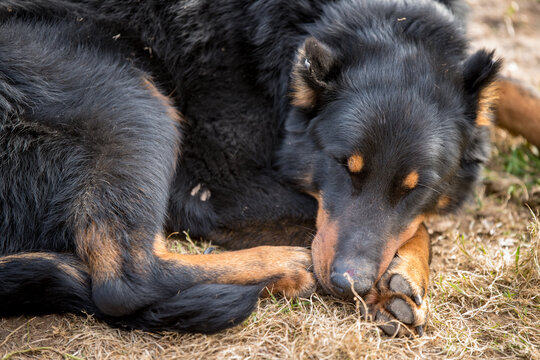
{"points": [[485, 292]]}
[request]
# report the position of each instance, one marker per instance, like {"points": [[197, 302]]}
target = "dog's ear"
{"points": [[480, 71], [314, 65]]}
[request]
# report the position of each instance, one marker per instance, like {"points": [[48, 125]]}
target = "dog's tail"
{"points": [[204, 308], [41, 283]]}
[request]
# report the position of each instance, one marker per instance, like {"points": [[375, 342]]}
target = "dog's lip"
{"points": [[329, 290]]}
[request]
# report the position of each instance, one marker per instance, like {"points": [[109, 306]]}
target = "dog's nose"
{"points": [[345, 278]]}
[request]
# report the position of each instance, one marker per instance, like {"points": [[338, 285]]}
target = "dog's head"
{"points": [[382, 135]]}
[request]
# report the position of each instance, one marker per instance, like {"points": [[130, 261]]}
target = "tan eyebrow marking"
{"points": [[411, 180], [355, 163], [443, 202]]}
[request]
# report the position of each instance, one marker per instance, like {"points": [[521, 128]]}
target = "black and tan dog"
{"points": [[354, 118]]}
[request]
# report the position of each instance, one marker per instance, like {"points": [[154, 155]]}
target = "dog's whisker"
{"points": [[429, 187]]}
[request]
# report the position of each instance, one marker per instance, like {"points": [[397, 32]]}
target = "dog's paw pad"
{"points": [[401, 310], [387, 324], [400, 316], [398, 284]]}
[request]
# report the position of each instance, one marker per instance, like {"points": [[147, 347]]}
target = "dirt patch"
{"points": [[484, 297], [513, 29]]}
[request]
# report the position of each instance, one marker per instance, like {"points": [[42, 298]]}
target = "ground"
{"points": [[485, 284]]}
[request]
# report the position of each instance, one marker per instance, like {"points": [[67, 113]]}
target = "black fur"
{"points": [[204, 308], [60, 282], [86, 147]]}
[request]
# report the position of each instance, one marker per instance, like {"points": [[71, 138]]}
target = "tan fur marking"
{"points": [[411, 180], [488, 98], [394, 244], [30, 256], [98, 247], [165, 100], [71, 271], [443, 202], [355, 163], [323, 248], [303, 95]]}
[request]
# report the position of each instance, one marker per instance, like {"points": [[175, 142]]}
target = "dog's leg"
{"points": [[518, 110], [401, 293], [284, 269]]}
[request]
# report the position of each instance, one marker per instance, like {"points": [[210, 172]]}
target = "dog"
{"points": [[248, 123]]}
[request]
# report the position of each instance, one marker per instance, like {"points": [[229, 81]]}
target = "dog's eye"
{"points": [[342, 161], [403, 191]]}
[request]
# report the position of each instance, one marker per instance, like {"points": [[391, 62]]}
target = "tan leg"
{"points": [[518, 110], [286, 269], [401, 293]]}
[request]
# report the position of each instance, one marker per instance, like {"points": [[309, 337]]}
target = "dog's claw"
{"points": [[420, 330], [209, 250], [417, 299]]}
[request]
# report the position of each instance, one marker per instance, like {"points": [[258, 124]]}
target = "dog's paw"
{"points": [[291, 267], [400, 302], [400, 297]]}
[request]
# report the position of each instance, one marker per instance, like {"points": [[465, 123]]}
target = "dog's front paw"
{"points": [[291, 267], [399, 302]]}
